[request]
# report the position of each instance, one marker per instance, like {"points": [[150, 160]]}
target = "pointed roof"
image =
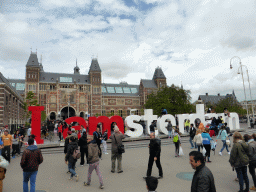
{"points": [[33, 60], [159, 74], [76, 69], [95, 66]]}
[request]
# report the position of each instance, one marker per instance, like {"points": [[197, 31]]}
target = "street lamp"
{"points": [[249, 88], [236, 59]]}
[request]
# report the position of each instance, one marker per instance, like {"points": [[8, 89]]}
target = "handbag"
{"points": [[120, 147], [227, 141], [204, 151]]}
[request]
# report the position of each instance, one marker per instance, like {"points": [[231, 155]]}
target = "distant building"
{"points": [[214, 99], [11, 105], [65, 95]]}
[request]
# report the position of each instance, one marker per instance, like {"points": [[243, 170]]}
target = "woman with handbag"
{"points": [[223, 134], [239, 160], [198, 139], [207, 144]]}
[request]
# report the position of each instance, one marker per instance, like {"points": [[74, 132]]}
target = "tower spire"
{"points": [[76, 62]]}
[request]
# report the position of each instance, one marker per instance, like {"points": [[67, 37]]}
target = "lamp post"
{"points": [[235, 59], [249, 89]]}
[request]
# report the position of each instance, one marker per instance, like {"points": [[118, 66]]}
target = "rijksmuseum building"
{"points": [[65, 95]]}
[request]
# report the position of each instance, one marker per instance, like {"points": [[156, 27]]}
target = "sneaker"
{"points": [[112, 171], [76, 178], [229, 153], [144, 178], [208, 161], [13, 156], [160, 177], [220, 153], [82, 165], [120, 171], [101, 186], [68, 172], [253, 188], [86, 184], [70, 178], [192, 148]]}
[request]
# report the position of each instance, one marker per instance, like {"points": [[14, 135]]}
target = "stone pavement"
{"points": [[52, 175]]}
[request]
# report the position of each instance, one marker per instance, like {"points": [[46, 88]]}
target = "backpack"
{"points": [[76, 154], [175, 138]]}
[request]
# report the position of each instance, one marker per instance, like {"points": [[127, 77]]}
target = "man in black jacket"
{"points": [[97, 136], [154, 155], [192, 133], [83, 148], [203, 179]]}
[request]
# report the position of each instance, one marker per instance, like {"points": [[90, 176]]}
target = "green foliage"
{"points": [[174, 99], [43, 116], [231, 104], [96, 115]]}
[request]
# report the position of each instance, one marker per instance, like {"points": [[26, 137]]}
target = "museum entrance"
{"points": [[67, 112]]}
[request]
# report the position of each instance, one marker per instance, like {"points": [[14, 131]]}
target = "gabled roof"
{"points": [[4, 80], [149, 83], [52, 77], [95, 66], [159, 74], [214, 99], [33, 60]]}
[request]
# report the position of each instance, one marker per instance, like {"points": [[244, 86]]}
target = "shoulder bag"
{"points": [[120, 147]]}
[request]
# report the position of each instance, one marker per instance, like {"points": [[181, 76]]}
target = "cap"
{"points": [[73, 129]]}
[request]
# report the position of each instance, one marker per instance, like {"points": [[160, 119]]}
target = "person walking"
{"points": [[83, 148], [15, 144], [252, 160], [169, 129], [93, 161], [97, 136], [192, 133], [203, 179], [44, 130], [3, 166], [207, 144], [30, 161], [239, 160], [7, 140], [176, 141], [223, 134], [116, 139], [152, 127], [69, 159], [51, 130], [187, 125], [154, 155], [198, 139], [104, 141], [60, 131]]}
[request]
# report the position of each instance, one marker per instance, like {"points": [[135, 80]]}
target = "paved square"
{"points": [[52, 175]]}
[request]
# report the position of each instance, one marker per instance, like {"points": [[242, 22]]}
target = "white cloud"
{"points": [[49, 4]]}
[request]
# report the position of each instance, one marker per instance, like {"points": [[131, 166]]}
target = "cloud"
{"points": [[49, 4], [240, 43]]}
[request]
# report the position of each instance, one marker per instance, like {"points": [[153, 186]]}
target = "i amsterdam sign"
{"points": [[232, 121]]}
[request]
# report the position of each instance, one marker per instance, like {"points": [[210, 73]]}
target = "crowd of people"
{"points": [[87, 150]]}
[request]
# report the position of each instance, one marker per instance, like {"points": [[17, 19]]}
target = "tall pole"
{"points": [[250, 95], [235, 58], [248, 122]]}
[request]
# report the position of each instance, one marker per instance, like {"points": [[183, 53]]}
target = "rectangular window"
{"points": [[127, 89], [119, 89], [112, 112], [120, 113], [134, 90], [103, 89], [20, 86], [111, 89]]}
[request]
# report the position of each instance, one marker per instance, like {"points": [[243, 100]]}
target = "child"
{"points": [[176, 140]]}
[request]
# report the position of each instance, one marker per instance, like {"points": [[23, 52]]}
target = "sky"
{"points": [[192, 41]]}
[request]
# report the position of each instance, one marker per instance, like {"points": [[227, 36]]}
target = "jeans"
{"points": [[32, 177], [104, 146], [252, 166], [71, 167], [95, 166], [117, 156], [243, 177], [191, 142], [51, 134], [224, 145], [169, 134]]}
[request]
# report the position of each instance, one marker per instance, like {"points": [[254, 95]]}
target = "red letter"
{"points": [[79, 120], [106, 123], [36, 122]]}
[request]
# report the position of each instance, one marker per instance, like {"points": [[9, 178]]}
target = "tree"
{"points": [[174, 99], [231, 104]]}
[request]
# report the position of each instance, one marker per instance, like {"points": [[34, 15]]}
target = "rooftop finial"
{"points": [[31, 49]]}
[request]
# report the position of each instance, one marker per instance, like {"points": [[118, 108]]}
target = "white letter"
{"points": [[161, 123], [138, 128], [148, 118]]}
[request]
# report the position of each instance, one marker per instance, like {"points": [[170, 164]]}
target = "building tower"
{"points": [[159, 78], [76, 69], [32, 75], [95, 80]]}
